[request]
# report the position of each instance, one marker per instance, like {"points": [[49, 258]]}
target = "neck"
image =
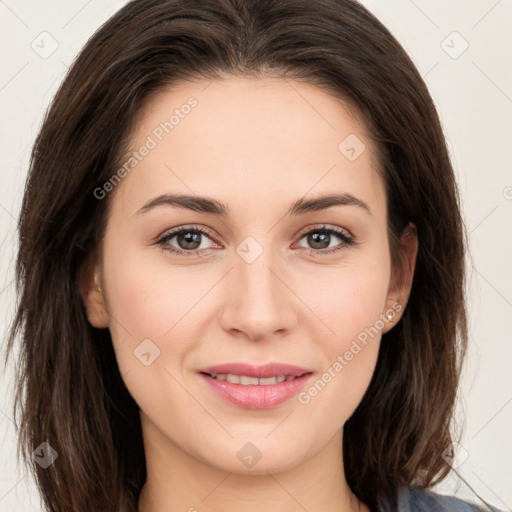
{"points": [[176, 481]]}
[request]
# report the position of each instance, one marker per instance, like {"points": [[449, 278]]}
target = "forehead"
{"points": [[245, 138]]}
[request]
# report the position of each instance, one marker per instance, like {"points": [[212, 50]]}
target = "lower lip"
{"points": [[256, 397]]}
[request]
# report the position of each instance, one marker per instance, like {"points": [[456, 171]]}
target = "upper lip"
{"points": [[250, 370]]}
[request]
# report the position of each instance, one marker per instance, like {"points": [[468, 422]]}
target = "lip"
{"points": [[256, 396]]}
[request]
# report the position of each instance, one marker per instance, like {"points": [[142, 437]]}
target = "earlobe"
{"points": [[92, 295], [392, 314], [402, 278]]}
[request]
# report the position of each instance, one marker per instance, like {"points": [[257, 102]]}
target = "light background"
{"points": [[473, 93]]}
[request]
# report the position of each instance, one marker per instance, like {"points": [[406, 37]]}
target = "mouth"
{"points": [[254, 387], [246, 380]]}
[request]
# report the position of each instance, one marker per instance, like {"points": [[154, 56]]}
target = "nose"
{"points": [[259, 303]]}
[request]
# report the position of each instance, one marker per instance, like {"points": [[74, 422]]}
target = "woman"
{"points": [[241, 268]]}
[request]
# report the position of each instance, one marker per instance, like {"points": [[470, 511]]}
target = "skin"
{"points": [[257, 145]]}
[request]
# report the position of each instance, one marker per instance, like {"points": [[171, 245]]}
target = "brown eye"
{"points": [[188, 241], [320, 239]]}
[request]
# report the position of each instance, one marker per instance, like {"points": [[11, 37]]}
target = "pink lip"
{"points": [[256, 396]]}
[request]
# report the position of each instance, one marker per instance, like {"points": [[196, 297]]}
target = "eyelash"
{"points": [[347, 240]]}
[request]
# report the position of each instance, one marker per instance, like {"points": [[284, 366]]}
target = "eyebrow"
{"points": [[212, 206]]}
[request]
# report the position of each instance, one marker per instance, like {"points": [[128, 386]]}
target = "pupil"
{"points": [[320, 238], [192, 240]]}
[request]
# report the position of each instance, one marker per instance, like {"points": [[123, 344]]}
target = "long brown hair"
{"points": [[69, 391]]}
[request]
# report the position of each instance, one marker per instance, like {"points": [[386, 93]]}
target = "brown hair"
{"points": [[69, 390]]}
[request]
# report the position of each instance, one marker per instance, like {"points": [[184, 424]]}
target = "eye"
{"points": [[188, 240], [320, 238]]}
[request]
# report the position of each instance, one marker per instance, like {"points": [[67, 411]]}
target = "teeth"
{"points": [[252, 381], [269, 380], [249, 381]]}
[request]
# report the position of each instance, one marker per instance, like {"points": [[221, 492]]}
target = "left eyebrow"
{"points": [[212, 206], [303, 206]]}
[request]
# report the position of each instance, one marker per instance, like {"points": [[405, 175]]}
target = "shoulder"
{"points": [[411, 499]]}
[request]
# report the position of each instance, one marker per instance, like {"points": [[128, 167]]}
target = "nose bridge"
{"points": [[256, 282], [259, 302]]}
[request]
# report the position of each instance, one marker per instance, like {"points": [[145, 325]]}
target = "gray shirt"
{"points": [[411, 499]]}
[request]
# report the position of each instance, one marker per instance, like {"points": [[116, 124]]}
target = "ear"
{"points": [[92, 296], [402, 277]]}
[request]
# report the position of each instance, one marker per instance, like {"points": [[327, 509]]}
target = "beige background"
{"points": [[472, 88]]}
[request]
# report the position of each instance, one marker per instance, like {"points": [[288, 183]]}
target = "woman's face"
{"points": [[260, 284]]}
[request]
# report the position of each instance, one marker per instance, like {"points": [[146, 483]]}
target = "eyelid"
{"points": [[325, 227]]}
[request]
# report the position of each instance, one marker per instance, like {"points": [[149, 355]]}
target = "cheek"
{"points": [[148, 299], [353, 309], [152, 327], [349, 299], [359, 307]]}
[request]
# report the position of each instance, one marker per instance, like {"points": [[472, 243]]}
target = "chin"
{"points": [[257, 458]]}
